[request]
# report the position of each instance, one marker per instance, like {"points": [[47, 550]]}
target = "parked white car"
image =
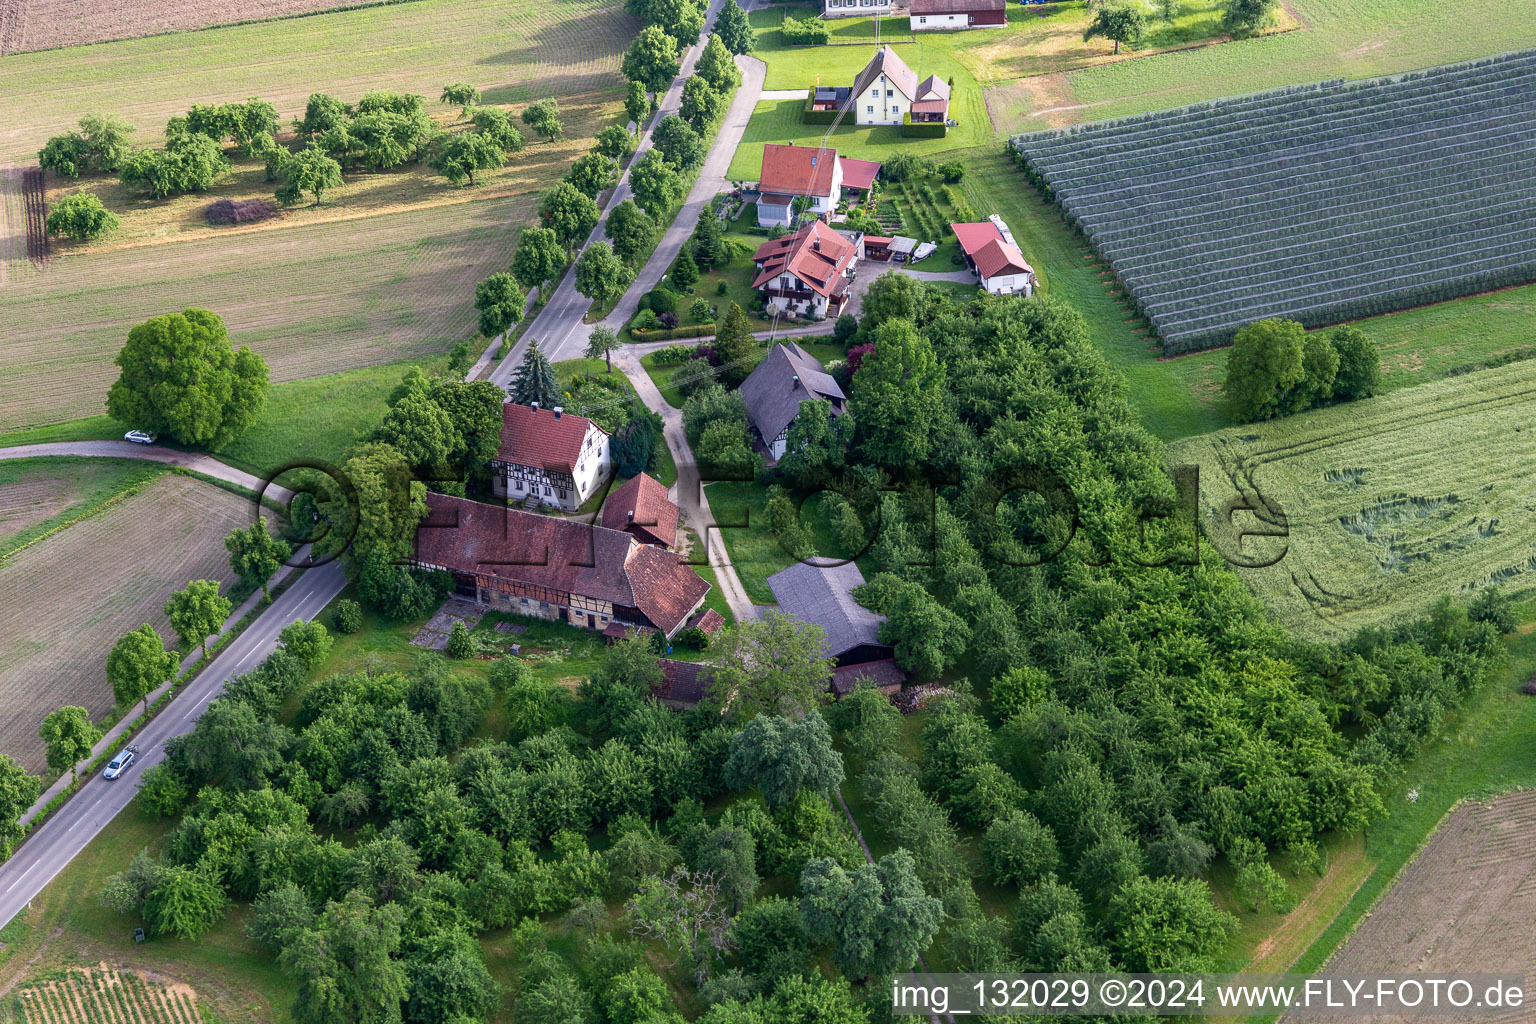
{"points": [[119, 764], [139, 437]]}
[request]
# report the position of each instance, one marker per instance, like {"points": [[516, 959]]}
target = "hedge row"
{"points": [[667, 334], [923, 129], [809, 116]]}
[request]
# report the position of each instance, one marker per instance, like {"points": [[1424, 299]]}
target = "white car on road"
{"points": [[119, 764], [139, 437]]}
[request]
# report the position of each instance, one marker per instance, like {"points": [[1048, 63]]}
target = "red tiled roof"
{"points": [[876, 240], [884, 672], [616, 630], [973, 236], [684, 681], [998, 257], [955, 6], [560, 554], [708, 620], [859, 174], [930, 106], [539, 438], [798, 170], [642, 507], [816, 255]]}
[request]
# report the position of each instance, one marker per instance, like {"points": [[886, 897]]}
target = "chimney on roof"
{"points": [[558, 411], [631, 515], [534, 406], [794, 382]]}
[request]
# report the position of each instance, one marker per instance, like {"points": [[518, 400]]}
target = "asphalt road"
{"points": [[50, 849]]}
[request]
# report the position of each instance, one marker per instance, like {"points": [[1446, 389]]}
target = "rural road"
{"points": [[50, 849], [558, 326]]}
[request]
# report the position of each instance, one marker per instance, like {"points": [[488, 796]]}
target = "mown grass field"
{"points": [[66, 599], [311, 300], [512, 51], [1390, 502], [1341, 39]]}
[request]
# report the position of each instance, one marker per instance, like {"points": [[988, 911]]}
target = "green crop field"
{"points": [[1389, 503]]}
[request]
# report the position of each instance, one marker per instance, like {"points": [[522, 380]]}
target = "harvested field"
{"points": [[512, 50], [1467, 902], [65, 600], [1320, 203], [1390, 502], [105, 995], [311, 300], [39, 494], [27, 25]]}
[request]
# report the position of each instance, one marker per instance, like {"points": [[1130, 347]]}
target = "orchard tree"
{"points": [[309, 170], [460, 94], [256, 555], [534, 380], [774, 665], [652, 59], [182, 377], [1019, 850], [569, 213], [539, 259], [18, 791], [1121, 23], [686, 912], [543, 117], [784, 757], [601, 344], [81, 217], [593, 173], [868, 722], [500, 303], [1264, 366], [466, 153], [614, 142], [1247, 17], [655, 183], [877, 917], [190, 162], [69, 735], [185, 902], [892, 296], [928, 638], [1169, 924], [198, 612], [733, 28], [495, 125], [137, 664], [630, 229]]}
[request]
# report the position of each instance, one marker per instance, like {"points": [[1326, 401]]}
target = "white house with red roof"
{"points": [[990, 252], [547, 457], [807, 273]]}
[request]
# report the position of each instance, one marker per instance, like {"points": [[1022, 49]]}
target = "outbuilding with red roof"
{"points": [[641, 508], [990, 252]]}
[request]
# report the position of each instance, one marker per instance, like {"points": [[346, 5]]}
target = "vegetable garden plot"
{"points": [[1321, 203], [105, 995], [1389, 502]]}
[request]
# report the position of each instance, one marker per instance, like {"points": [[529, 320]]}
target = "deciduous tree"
{"points": [[498, 127], [1264, 367], [568, 212], [601, 344], [1247, 17], [198, 612], [539, 259], [18, 791], [543, 116], [733, 28], [81, 217], [877, 917], [655, 183], [309, 170], [677, 141], [137, 664], [500, 303], [1121, 23], [460, 94], [651, 59], [256, 555], [775, 665], [1359, 373], [69, 734], [630, 229], [593, 173], [783, 757], [466, 153], [898, 398]]}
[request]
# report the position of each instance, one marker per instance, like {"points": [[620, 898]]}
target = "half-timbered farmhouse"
{"points": [[551, 568], [547, 457]]}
